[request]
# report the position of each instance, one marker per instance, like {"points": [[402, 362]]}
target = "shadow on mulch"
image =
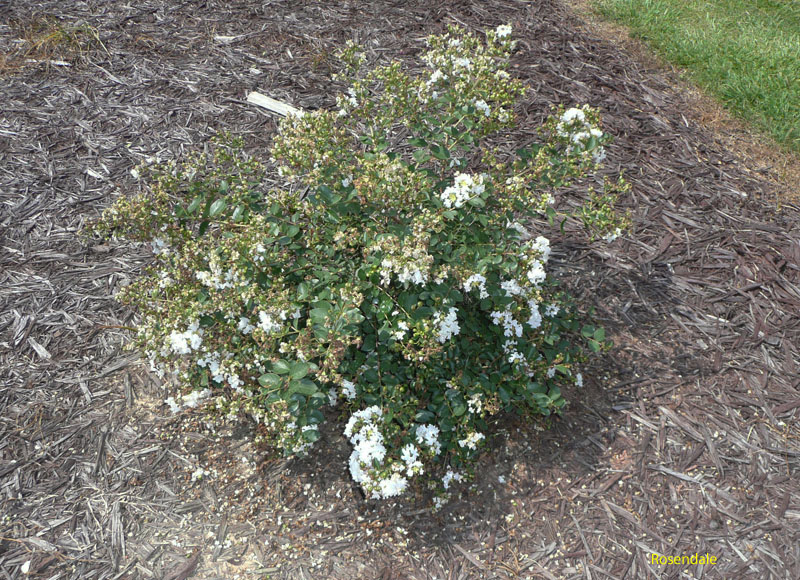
{"points": [[683, 440]]}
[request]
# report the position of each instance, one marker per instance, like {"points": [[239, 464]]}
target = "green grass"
{"points": [[745, 52]]}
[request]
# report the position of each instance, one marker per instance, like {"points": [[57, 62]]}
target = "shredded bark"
{"points": [[684, 440]]}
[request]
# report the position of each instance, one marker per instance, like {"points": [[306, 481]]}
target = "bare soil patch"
{"points": [[685, 438]]}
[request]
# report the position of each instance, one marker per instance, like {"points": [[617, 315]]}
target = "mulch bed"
{"points": [[684, 439]]}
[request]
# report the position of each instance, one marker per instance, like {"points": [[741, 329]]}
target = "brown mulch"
{"points": [[684, 439]]}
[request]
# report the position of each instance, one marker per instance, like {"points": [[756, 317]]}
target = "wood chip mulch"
{"points": [[684, 440]]}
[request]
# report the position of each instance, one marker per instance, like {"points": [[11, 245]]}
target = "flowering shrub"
{"points": [[396, 276]]}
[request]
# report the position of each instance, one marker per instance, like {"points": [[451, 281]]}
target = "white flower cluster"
{"points": [[535, 320], [364, 433], [475, 403], [471, 440], [537, 252], [503, 31], [218, 279], [574, 125], [402, 329], [410, 457], [514, 356], [428, 435], [512, 288], [348, 390], [220, 371], [187, 341], [408, 272], [505, 318], [464, 188], [267, 322], [160, 246], [244, 326], [483, 107], [446, 325], [477, 280], [551, 310], [611, 236], [188, 401]]}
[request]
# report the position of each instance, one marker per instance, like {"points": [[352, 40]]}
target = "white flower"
{"points": [[611, 236], [599, 155], [512, 288], [173, 406], [551, 310], [479, 281], [435, 77], [464, 187], [348, 390], [351, 97], [551, 372], [244, 325], [535, 320], [579, 379], [503, 30], [447, 325], [199, 474], [449, 477], [462, 63], [410, 456], [195, 397], [536, 274], [394, 485], [428, 435], [510, 326], [160, 246], [267, 323], [572, 114], [516, 226], [185, 342], [402, 329], [515, 357], [474, 403], [481, 105], [542, 245]]}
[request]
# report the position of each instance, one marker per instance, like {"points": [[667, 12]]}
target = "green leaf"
{"points": [[421, 156], [311, 435], [298, 369], [270, 380], [303, 387], [424, 417], [315, 417], [217, 208], [303, 289], [353, 316], [318, 315], [440, 152], [195, 205], [281, 367], [459, 409]]}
